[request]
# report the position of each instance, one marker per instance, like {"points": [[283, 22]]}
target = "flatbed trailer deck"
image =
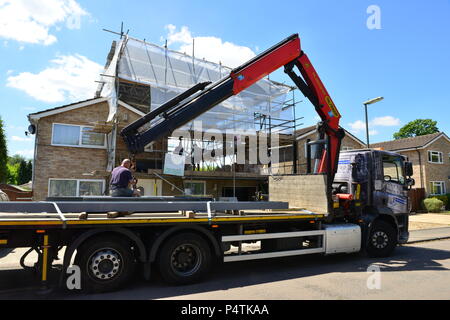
{"points": [[72, 220], [144, 237]]}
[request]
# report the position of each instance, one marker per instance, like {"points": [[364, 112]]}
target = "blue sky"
{"points": [[52, 52]]}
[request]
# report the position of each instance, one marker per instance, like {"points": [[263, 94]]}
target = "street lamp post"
{"points": [[366, 103]]}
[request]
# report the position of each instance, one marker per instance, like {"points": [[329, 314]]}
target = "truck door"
{"points": [[391, 191]]}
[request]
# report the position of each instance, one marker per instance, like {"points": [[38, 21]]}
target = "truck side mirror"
{"points": [[409, 183], [408, 169]]}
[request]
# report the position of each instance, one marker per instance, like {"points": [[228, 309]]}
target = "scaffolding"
{"points": [[146, 75]]}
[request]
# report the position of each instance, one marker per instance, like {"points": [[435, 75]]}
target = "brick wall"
{"points": [[438, 172], [417, 158], [67, 162], [301, 191]]}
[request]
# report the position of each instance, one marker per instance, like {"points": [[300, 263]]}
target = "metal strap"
{"points": [[208, 207], [60, 214]]}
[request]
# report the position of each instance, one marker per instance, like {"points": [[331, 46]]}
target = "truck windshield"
{"points": [[393, 169]]}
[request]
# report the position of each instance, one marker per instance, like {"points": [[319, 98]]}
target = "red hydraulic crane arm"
{"points": [[265, 63], [327, 111], [289, 54]]}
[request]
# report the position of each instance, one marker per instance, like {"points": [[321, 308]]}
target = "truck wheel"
{"points": [[184, 259], [106, 263], [382, 239]]}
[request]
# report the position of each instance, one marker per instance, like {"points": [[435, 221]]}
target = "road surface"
{"points": [[416, 271]]}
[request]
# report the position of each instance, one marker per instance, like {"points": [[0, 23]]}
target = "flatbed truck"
{"points": [[365, 206]]}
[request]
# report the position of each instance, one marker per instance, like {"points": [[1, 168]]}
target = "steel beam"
{"points": [[133, 206]]}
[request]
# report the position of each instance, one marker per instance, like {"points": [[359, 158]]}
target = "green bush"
{"points": [[443, 198], [432, 205]]}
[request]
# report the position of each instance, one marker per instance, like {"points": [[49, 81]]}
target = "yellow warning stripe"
{"points": [[148, 221]]}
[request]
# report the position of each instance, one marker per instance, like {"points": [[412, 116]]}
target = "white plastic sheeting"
{"points": [[169, 73]]}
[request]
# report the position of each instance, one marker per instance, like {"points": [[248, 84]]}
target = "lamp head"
{"points": [[373, 100]]}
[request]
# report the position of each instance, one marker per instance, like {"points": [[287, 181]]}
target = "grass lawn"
{"points": [[444, 212]]}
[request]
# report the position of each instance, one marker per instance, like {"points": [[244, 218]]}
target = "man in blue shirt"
{"points": [[121, 179]]}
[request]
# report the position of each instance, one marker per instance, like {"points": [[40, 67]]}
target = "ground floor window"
{"points": [[437, 187], [195, 187], [75, 188]]}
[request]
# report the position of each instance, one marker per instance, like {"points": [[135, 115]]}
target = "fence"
{"points": [[416, 196], [15, 194]]}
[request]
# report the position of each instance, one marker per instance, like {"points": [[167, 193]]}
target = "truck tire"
{"points": [[382, 239], [106, 263], [184, 258]]}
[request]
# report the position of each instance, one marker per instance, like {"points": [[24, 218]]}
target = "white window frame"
{"points": [[197, 181], [80, 145], [442, 183], [439, 154], [78, 185], [347, 148]]}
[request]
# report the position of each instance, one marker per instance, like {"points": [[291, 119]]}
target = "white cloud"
{"points": [[68, 78], [386, 121], [27, 153], [211, 48], [30, 20], [357, 126], [373, 132], [21, 139]]}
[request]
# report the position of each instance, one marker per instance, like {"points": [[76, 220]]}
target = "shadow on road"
{"points": [[241, 274]]}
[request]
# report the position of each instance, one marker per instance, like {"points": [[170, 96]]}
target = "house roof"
{"points": [[417, 142], [76, 105], [300, 133], [59, 109]]}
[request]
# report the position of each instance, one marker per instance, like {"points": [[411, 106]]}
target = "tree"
{"points": [[29, 175], [418, 127], [3, 155], [15, 159], [24, 172]]}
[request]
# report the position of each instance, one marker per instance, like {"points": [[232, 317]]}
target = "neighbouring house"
{"points": [[302, 136], [430, 155], [77, 145]]}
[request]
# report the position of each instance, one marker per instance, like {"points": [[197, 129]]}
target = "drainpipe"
{"points": [[421, 169]]}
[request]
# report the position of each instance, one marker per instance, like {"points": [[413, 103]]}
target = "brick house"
{"points": [[430, 155], [73, 143]]}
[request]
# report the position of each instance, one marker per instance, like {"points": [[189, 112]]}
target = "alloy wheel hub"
{"points": [[105, 264], [380, 240]]}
